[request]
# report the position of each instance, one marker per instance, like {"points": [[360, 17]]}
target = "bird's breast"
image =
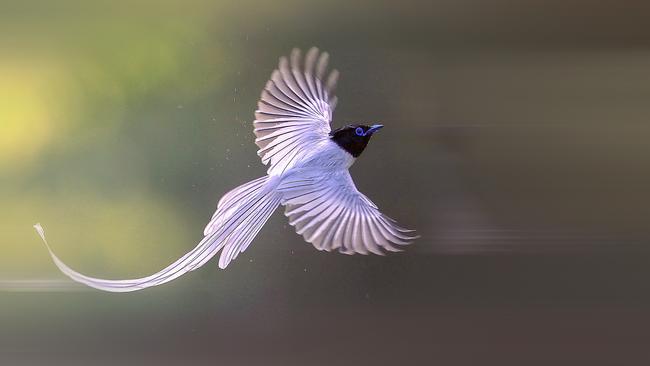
{"points": [[328, 155]]}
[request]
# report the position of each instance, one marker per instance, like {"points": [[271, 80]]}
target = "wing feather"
{"points": [[331, 213], [295, 110]]}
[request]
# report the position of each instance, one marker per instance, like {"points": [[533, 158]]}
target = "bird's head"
{"points": [[354, 138]]}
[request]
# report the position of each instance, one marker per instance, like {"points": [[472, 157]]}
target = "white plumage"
{"points": [[308, 174]]}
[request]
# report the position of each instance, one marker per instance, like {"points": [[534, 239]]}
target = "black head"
{"points": [[354, 138]]}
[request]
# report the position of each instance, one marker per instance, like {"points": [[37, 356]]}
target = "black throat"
{"points": [[349, 141]]}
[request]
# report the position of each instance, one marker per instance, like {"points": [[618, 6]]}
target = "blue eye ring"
{"points": [[359, 131]]}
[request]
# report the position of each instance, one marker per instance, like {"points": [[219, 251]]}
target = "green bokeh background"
{"points": [[516, 143]]}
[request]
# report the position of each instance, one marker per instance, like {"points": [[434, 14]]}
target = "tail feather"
{"points": [[240, 216], [239, 238], [232, 200]]}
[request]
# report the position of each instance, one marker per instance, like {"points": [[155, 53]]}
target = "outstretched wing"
{"points": [[295, 109], [331, 213]]}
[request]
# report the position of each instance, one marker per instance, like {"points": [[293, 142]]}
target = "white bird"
{"points": [[308, 175]]}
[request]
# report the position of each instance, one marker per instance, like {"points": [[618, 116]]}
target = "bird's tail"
{"points": [[240, 215]]}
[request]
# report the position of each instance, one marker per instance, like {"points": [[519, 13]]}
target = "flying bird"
{"points": [[308, 175]]}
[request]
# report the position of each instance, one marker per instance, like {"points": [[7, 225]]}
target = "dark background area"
{"points": [[516, 143]]}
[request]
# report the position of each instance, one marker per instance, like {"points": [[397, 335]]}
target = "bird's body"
{"points": [[308, 175]]}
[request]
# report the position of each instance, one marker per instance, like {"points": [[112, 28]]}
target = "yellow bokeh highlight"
{"points": [[31, 101]]}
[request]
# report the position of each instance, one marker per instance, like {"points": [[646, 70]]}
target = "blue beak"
{"points": [[373, 129]]}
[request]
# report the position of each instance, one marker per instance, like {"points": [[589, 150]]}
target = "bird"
{"points": [[308, 174]]}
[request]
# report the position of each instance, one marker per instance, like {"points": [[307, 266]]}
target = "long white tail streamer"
{"points": [[239, 218]]}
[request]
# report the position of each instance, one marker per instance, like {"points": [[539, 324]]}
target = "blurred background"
{"points": [[516, 143]]}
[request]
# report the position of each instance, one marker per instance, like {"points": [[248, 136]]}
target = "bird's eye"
{"points": [[359, 131]]}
